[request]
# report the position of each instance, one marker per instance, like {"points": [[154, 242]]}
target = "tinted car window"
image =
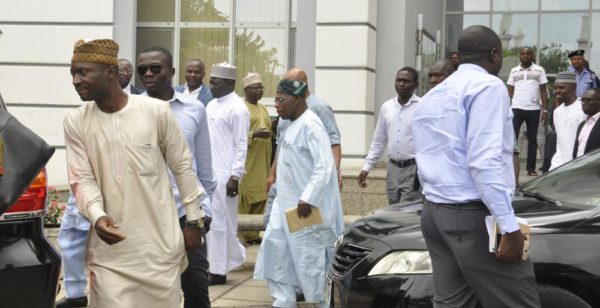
{"points": [[575, 185]]}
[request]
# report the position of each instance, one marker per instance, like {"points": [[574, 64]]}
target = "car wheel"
{"points": [[556, 297]]}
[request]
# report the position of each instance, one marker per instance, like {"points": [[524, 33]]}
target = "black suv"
{"points": [[29, 264]]}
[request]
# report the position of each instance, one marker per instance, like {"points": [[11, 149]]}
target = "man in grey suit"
{"points": [[125, 74], [194, 73]]}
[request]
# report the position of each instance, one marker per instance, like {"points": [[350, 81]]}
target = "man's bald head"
{"points": [[439, 71], [481, 45], [296, 74]]}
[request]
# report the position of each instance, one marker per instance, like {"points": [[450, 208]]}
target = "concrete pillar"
{"points": [[345, 70]]}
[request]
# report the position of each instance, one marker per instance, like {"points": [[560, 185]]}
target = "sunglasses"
{"points": [[154, 68]]}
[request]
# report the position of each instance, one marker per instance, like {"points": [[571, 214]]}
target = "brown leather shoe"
{"points": [[532, 173]]}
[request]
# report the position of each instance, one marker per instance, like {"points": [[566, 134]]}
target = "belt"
{"points": [[475, 204], [403, 163]]}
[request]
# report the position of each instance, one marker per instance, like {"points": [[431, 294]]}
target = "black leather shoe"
{"points": [[72, 302], [214, 279]]}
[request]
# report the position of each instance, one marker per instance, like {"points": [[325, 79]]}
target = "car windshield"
{"points": [[575, 184]]}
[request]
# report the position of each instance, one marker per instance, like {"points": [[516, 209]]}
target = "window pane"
{"points": [[596, 4], [565, 4], [261, 51], [149, 37], [261, 11], [515, 31], [558, 38], [515, 5], [427, 59], [594, 55], [156, 10], [209, 45], [205, 10], [456, 23], [467, 5]]}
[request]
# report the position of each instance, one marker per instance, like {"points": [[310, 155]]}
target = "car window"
{"points": [[575, 184]]}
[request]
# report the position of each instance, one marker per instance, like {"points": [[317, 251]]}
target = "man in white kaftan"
{"points": [[566, 118], [228, 125], [307, 178], [119, 149]]}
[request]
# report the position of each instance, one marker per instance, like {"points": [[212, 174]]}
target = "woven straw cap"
{"points": [[251, 79], [96, 51]]}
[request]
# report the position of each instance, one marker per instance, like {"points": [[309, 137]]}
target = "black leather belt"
{"points": [[403, 163], [475, 204]]}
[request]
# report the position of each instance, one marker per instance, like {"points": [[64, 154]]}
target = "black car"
{"points": [[381, 260], [29, 264]]}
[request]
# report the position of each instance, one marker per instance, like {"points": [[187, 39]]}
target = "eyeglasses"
{"points": [[154, 68]]}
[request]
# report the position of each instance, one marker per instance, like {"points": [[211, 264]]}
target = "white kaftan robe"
{"points": [[305, 171], [566, 120], [118, 167], [228, 125]]}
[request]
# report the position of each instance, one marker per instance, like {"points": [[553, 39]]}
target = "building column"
{"points": [[345, 70]]}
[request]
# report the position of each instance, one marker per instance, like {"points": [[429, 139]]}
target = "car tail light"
{"points": [[34, 198]]}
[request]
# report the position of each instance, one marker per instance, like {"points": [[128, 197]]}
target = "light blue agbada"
{"points": [[305, 171]]}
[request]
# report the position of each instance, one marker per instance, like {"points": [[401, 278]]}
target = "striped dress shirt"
{"points": [[393, 131]]}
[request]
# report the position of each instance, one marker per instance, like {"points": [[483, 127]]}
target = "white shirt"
{"points": [[527, 83], [463, 135], [194, 94], [566, 121], [584, 135], [393, 131], [127, 89]]}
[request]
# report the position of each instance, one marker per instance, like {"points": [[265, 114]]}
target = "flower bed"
{"points": [[56, 207]]}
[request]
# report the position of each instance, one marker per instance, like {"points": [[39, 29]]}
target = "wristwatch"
{"points": [[198, 224]]}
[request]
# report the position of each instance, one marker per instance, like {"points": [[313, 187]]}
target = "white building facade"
{"points": [[350, 49]]}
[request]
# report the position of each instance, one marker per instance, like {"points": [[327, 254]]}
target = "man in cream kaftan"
{"points": [[228, 125], [117, 167], [305, 174], [118, 149]]}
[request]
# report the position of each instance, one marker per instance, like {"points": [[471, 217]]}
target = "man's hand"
{"points": [[262, 133], [544, 117], [340, 180], [192, 237], [207, 221], [362, 178], [106, 230], [232, 187], [511, 247], [270, 182], [304, 209]]}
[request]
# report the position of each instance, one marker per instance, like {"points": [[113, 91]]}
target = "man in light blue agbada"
{"points": [[307, 180]]}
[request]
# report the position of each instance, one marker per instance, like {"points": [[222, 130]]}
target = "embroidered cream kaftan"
{"points": [[118, 167]]}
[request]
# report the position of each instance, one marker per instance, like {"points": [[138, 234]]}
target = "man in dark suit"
{"points": [[125, 74], [588, 132], [194, 73]]}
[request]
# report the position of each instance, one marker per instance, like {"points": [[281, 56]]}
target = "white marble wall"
{"points": [[345, 70], [35, 54]]}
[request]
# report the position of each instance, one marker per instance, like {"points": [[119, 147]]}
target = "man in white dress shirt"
{"points": [[393, 131], [567, 117], [228, 125]]}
